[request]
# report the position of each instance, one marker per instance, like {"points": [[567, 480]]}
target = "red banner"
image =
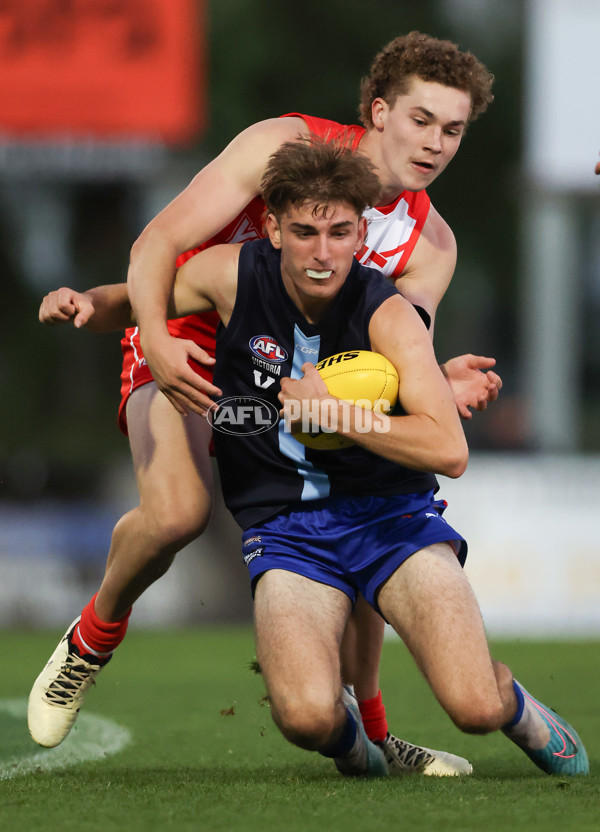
{"points": [[110, 69]]}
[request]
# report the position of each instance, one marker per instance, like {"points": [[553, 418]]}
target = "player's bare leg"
{"points": [[299, 625], [173, 471], [431, 605], [361, 653], [361, 650], [174, 478]]}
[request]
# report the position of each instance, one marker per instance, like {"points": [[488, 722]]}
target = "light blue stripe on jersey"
{"points": [[316, 482]]}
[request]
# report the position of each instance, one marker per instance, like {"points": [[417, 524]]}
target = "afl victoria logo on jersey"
{"points": [[267, 348]]}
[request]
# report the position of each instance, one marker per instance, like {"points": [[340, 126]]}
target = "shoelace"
{"points": [[73, 675], [410, 756]]}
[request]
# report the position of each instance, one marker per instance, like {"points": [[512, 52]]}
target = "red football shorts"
{"points": [[198, 328]]}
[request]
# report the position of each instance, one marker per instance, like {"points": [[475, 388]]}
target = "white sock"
{"points": [[531, 729]]}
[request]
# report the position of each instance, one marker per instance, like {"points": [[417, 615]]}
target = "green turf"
{"points": [[206, 756]]}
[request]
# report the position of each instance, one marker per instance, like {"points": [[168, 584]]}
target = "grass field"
{"points": [[204, 754]]}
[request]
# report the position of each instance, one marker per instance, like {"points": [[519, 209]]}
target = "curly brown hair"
{"points": [[430, 59], [320, 173]]}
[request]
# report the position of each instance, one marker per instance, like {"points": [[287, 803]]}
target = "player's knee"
{"points": [[175, 523], [479, 717], [307, 722]]}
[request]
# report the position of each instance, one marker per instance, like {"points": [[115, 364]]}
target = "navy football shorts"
{"points": [[352, 543]]}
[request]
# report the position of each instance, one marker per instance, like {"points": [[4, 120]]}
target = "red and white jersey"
{"points": [[393, 231]]}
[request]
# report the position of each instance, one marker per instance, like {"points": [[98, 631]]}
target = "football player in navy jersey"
{"points": [[415, 105], [320, 528]]}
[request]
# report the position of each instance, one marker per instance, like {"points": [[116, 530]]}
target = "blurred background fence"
{"points": [[107, 110]]}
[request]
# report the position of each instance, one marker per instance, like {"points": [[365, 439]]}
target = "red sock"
{"points": [[96, 636], [373, 716]]}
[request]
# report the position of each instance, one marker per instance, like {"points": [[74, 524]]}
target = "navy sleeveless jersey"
{"points": [[265, 471]]}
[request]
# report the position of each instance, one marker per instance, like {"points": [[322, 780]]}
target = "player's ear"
{"points": [[379, 109], [273, 230], [362, 234]]}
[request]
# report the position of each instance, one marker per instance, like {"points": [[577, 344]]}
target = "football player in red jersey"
{"points": [[415, 105]]}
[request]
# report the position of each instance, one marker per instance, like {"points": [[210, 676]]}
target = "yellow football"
{"points": [[366, 379]]}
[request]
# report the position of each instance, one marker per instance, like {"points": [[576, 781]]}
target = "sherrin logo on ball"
{"points": [[366, 379]]}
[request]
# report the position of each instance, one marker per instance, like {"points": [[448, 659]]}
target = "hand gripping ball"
{"points": [[360, 377]]}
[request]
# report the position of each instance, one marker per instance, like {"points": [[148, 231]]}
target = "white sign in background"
{"points": [[533, 529], [562, 100]]}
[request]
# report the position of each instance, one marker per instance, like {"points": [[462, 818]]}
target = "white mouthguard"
{"points": [[318, 275]]}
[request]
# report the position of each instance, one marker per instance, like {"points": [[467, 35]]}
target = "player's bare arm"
{"points": [[214, 197], [424, 282], [207, 281], [430, 436], [101, 309], [431, 265]]}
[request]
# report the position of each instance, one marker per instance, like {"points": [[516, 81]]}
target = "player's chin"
{"points": [[322, 291], [422, 176]]}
